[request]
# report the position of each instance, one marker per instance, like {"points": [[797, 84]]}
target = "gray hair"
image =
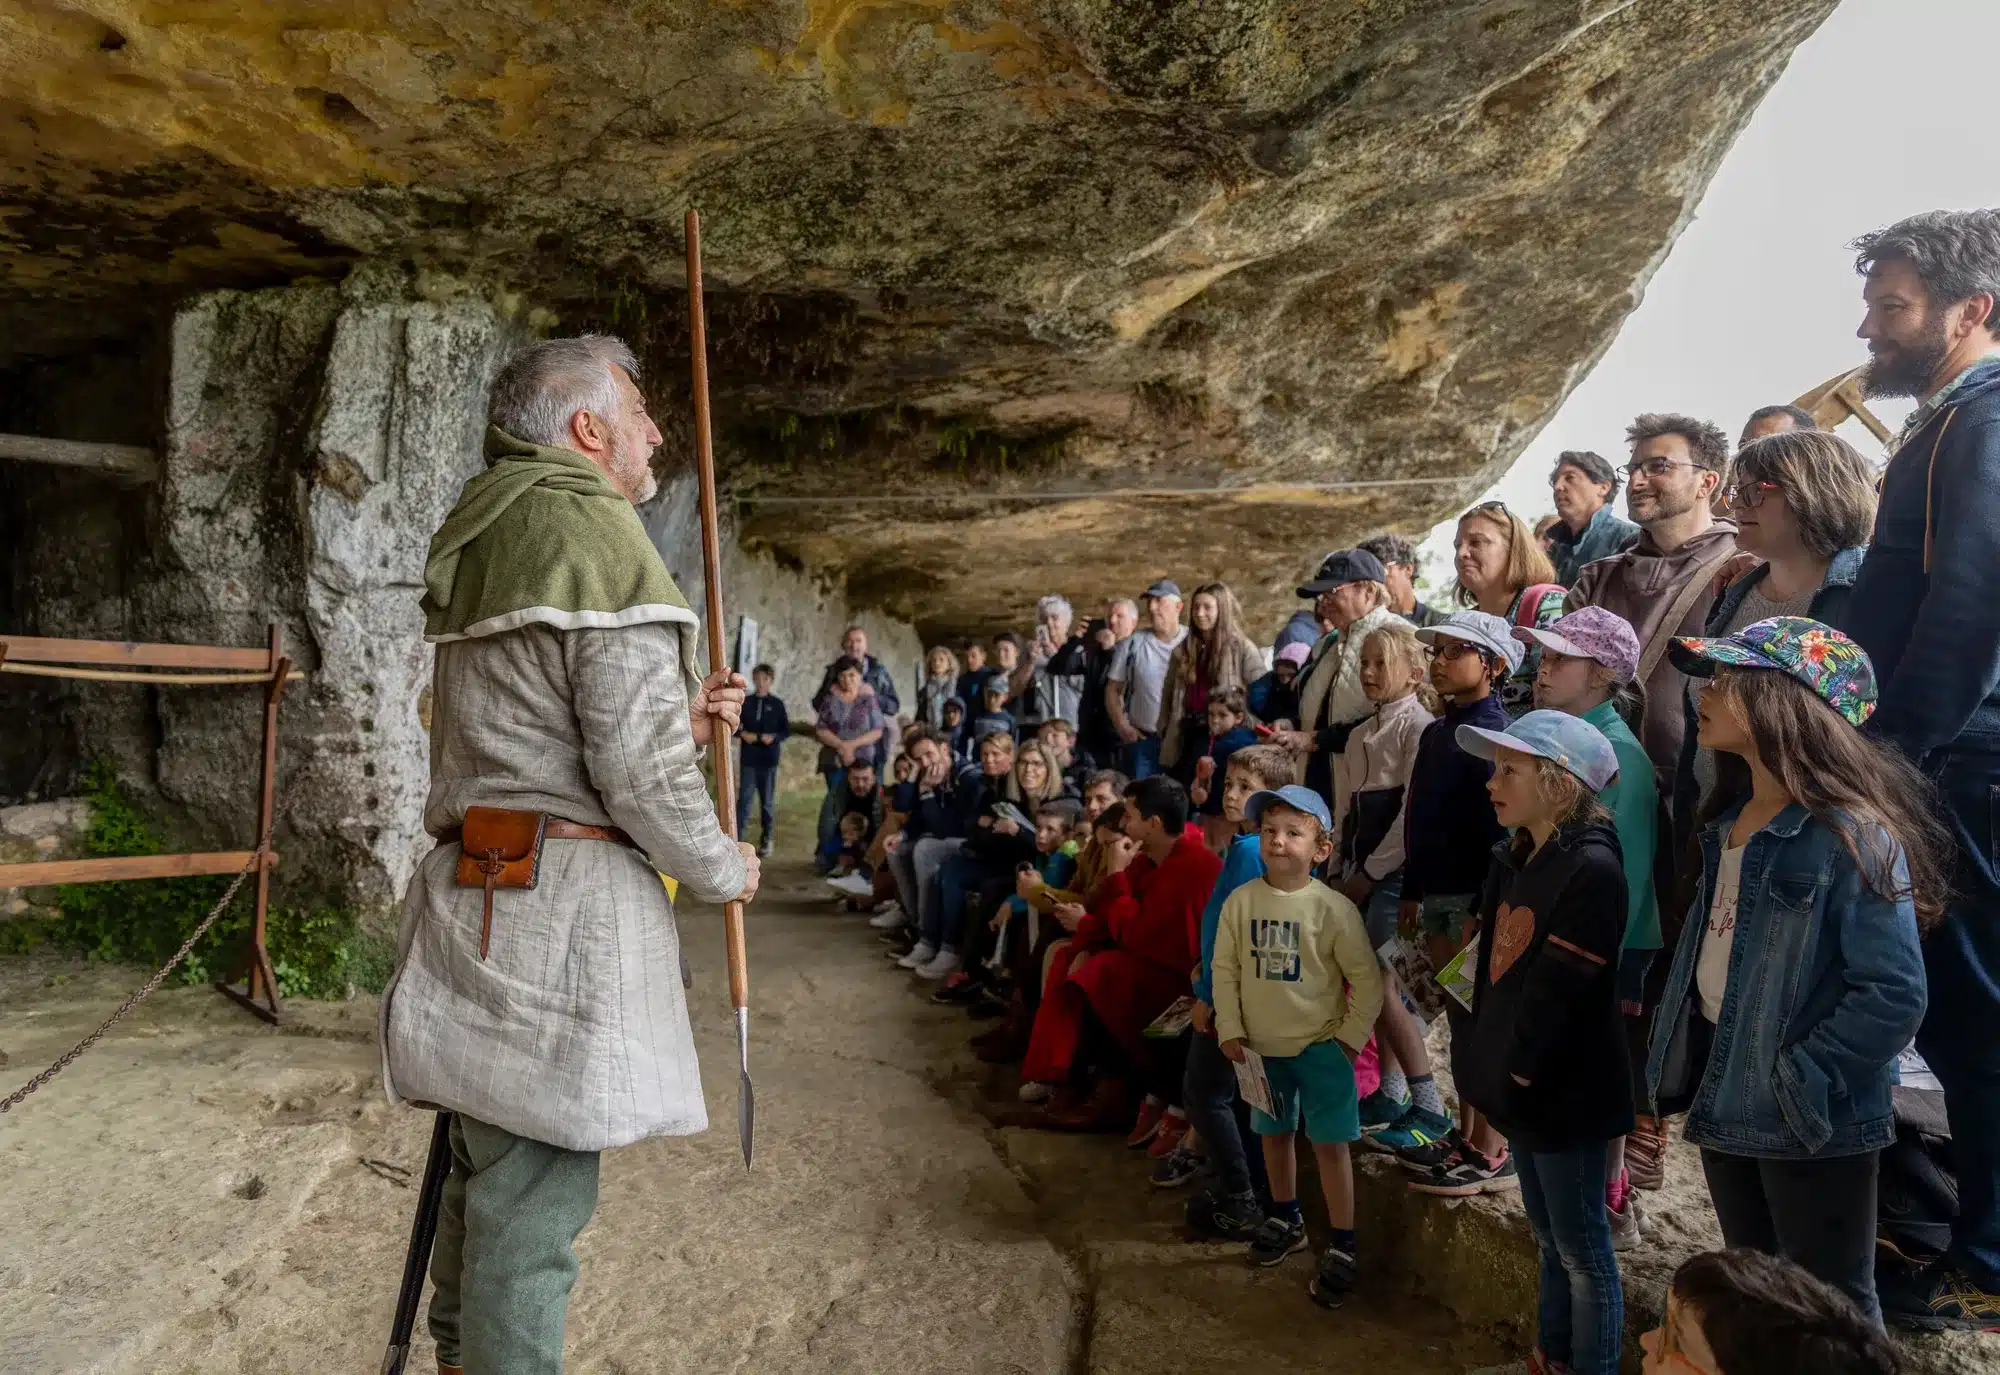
{"points": [[545, 384], [1055, 601]]}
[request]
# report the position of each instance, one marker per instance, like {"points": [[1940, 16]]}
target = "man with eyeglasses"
{"points": [[1586, 529], [1664, 584], [1926, 607]]}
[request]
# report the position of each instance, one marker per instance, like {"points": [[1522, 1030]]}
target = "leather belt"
{"points": [[557, 829]]}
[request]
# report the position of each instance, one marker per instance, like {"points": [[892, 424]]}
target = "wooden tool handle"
{"points": [[711, 570]]}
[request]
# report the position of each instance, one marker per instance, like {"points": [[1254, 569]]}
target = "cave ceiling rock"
{"points": [[1018, 244]]}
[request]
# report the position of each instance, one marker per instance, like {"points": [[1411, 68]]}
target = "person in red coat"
{"points": [[1131, 955]]}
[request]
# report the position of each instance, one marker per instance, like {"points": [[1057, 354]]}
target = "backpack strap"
{"points": [[1663, 634], [1528, 607]]}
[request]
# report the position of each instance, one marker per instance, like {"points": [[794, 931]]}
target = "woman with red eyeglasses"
{"points": [[1804, 502]]}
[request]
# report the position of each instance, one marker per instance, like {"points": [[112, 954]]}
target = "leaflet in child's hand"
{"points": [[1254, 1083], [1457, 977]]}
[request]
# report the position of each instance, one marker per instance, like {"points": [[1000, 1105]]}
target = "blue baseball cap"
{"points": [[1569, 740], [1295, 795]]}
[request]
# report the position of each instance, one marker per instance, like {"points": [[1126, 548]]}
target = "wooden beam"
{"points": [[30, 649], [129, 462], [49, 872]]}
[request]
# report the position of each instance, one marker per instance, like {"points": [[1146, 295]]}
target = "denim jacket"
{"points": [[1829, 605], [1826, 985]]}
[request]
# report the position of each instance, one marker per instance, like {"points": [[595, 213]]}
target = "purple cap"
{"points": [[1297, 652], [1590, 632]]}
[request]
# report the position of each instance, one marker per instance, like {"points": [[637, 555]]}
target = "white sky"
{"points": [[1758, 301]]}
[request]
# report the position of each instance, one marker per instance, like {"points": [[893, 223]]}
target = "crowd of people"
{"points": [[1688, 816]]}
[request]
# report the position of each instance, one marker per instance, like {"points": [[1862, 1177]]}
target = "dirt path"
{"points": [[193, 1197]]}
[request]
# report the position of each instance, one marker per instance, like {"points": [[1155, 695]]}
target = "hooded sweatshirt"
{"points": [[1642, 584]]}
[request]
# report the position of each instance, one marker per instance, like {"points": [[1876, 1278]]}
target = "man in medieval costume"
{"points": [[552, 1020]]}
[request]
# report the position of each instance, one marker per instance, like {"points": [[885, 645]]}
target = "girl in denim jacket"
{"points": [[1798, 976]]}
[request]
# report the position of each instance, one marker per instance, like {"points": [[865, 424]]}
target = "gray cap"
{"points": [[1481, 628], [1165, 587]]}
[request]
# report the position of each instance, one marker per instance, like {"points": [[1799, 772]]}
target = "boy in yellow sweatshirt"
{"points": [[1296, 981]]}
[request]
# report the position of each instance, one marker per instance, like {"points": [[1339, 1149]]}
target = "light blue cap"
{"points": [[1569, 740], [1482, 628], [1292, 795]]}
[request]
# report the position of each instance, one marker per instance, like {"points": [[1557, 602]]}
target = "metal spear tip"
{"points": [[746, 1093]]}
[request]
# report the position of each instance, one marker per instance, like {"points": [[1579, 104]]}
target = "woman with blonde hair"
{"points": [[940, 685], [1503, 572], [1215, 657]]}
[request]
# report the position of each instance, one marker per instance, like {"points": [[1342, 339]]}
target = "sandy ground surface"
{"points": [[202, 1193]]}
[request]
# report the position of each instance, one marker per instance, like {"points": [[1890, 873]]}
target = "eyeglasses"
{"points": [[1449, 648], [1660, 467], [1750, 495]]}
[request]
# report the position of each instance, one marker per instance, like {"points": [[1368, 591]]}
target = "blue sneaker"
{"points": [[1379, 1110], [1414, 1129]]}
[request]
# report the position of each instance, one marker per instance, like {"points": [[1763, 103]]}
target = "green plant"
{"points": [[316, 951]]}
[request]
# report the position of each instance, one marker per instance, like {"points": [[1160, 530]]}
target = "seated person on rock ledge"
{"points": [[1135, 952]]}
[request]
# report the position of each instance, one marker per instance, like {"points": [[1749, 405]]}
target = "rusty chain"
{"points": [[147, 989]]}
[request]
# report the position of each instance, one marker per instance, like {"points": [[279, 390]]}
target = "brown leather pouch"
{"points": [[502, 848]]}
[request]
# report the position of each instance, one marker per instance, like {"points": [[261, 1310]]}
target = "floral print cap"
{"points": [[1814, 653]]}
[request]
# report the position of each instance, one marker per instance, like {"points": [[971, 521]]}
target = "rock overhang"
{"points": [[968, 249]]}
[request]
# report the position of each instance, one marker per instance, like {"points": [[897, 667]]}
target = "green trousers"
{"points": [[505, 1256]]}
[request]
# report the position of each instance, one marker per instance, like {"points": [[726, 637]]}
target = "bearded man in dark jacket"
{"points": [[1926, 610]]}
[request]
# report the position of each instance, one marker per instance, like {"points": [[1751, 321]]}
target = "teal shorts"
{"points": [[1317, 1083]]}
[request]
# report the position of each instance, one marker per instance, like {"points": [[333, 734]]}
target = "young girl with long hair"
{"points": [[1798, 975], [1215, 657], [1370, 784], [1543, 1058]]}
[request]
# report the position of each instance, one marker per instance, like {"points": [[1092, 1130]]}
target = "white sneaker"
{"points": [[853, 885], [923, 953], [943, 964], [889, 918], [1032, 1092]]}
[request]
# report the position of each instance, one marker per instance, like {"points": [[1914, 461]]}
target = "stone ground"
{"points": [[202, 1193]]}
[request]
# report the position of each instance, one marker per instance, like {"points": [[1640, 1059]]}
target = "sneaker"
{"points": [[1539, 1363], [1472, 1173], [890, 917], [958, 989], [1173, 1130], [1379, 1110], [1414, 1129], [1178, 1167], [1940, 1298], [1032, 1092], [764, 846], [1437, 1154], [1626, 1232], [1148, 1125], [1277, 1238], [1335, 1278], [922, 953], [940, 965], [853, 885], [1216, 1216]]}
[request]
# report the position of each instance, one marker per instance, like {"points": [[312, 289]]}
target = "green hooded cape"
{"points": [[543, 538]]}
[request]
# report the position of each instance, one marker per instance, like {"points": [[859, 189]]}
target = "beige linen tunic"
{"points": [[574, 1029]]}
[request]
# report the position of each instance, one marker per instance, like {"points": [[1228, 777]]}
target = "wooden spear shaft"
{"points": [[711, 568]]}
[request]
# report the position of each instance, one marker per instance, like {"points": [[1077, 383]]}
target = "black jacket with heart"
{"points": [[1545, 1003]]}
